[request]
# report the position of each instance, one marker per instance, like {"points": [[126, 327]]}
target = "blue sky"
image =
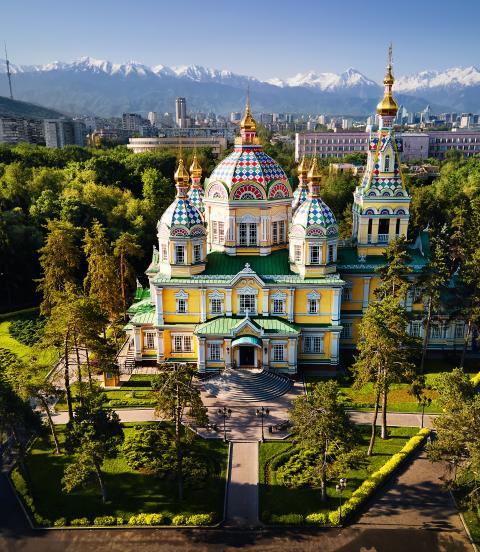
{"points": [[264, 38]]}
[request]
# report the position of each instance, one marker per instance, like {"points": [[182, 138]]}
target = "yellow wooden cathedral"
{"points": [[248, 274]]}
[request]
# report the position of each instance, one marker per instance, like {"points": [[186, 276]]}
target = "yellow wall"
{"points": [[301, 306], [170, 305]]}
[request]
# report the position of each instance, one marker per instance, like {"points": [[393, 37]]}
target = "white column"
{"points": [[366, 291], [159, 306], [230, 245], [137, 343], [335, 348], [201, 355], [228, 302], [203, 304], [292, 355], [291, 304], [228, 353], [265, 353], [160, 346], [336, 307], [265, 247], [265, 301]]}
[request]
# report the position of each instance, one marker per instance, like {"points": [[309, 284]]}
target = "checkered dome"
{"points": [[314, 212], [195, 196], [182, 212], [247, 164]]}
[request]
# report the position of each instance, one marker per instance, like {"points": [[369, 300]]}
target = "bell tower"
{"points": [[381, 202]]}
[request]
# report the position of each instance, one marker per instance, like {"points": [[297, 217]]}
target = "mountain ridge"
{"points": [[333, 93]]}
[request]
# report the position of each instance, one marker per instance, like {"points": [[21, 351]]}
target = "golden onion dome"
{"points": [[387, 105], [248, 123], [181, 174], [302, 169], [314, 175], [195, 167]]}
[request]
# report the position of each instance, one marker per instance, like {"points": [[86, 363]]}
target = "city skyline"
{"points": [[223, 37]]}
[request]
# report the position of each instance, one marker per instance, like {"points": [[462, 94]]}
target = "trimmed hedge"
{"points": [[476, 380], [21, 488], [287, 519], [360, 495]]}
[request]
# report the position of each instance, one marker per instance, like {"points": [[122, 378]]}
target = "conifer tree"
{"points": [[434, 276], [60, 261], [102, 281], [174, 393], [321, 423], [126, 247]]}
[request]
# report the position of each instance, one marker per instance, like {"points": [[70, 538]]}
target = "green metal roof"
{"points": [[276, 263], [247, 340], [225, 325], [144, 317]]}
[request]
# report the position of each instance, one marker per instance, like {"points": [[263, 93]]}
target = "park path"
{"points": [[244, 425], [242, 486], [417, 499]]}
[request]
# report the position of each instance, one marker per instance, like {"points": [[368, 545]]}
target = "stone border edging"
{"points": [[464, 523], [227, 478]]}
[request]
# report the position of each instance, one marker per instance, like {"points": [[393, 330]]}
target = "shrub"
{"points": [[101, 521], [60, 522], [120, 521], [200, 519], [318, 518], [476, 380], [179, 519], [41, 521], [148, 519], [80, 522], [300, 470], [27, 332], [288, 519]]}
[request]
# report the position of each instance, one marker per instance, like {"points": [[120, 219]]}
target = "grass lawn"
{"points": [[136, 392], [399, 399], [129, 491], [471, 517], [46, 357], [276, 498]]}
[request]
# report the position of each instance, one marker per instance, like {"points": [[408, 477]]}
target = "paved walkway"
{"points": [[242, 488], [417, 499]]}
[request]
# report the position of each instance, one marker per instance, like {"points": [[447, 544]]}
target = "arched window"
{"points": [[386, 165]]}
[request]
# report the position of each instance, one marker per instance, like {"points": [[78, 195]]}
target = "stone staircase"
{"points": [[246, 386]]}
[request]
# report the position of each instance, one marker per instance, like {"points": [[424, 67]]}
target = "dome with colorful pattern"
{"points": [[181, 216], [314, 215]]}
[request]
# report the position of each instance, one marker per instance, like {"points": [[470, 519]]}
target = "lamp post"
{"points": [[424, 401], [262, 412], [342, 485], [225, 413]]}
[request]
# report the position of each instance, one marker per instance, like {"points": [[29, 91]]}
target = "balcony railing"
{"points": [[382, 238]]}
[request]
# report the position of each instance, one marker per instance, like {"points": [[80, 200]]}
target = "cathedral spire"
{"points": [[387, 107], [195, 169], [182, 180], [248, 125], [314, 176]]}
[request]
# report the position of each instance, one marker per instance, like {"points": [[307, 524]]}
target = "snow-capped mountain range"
{"points": [[87, 84]]}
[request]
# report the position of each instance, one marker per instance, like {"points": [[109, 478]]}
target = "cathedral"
{"points": [[248, 274]]}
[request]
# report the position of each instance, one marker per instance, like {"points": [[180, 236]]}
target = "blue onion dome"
{"points": [[313, 214], [182, 215]]}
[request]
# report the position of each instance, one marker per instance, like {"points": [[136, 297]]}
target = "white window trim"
{"points": [[146, 335], [216, 296], [183, 246], [216, 344], [310, 250], [309, 338], [183, 341], [276, 345], [181, 295], [194, 245]]}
